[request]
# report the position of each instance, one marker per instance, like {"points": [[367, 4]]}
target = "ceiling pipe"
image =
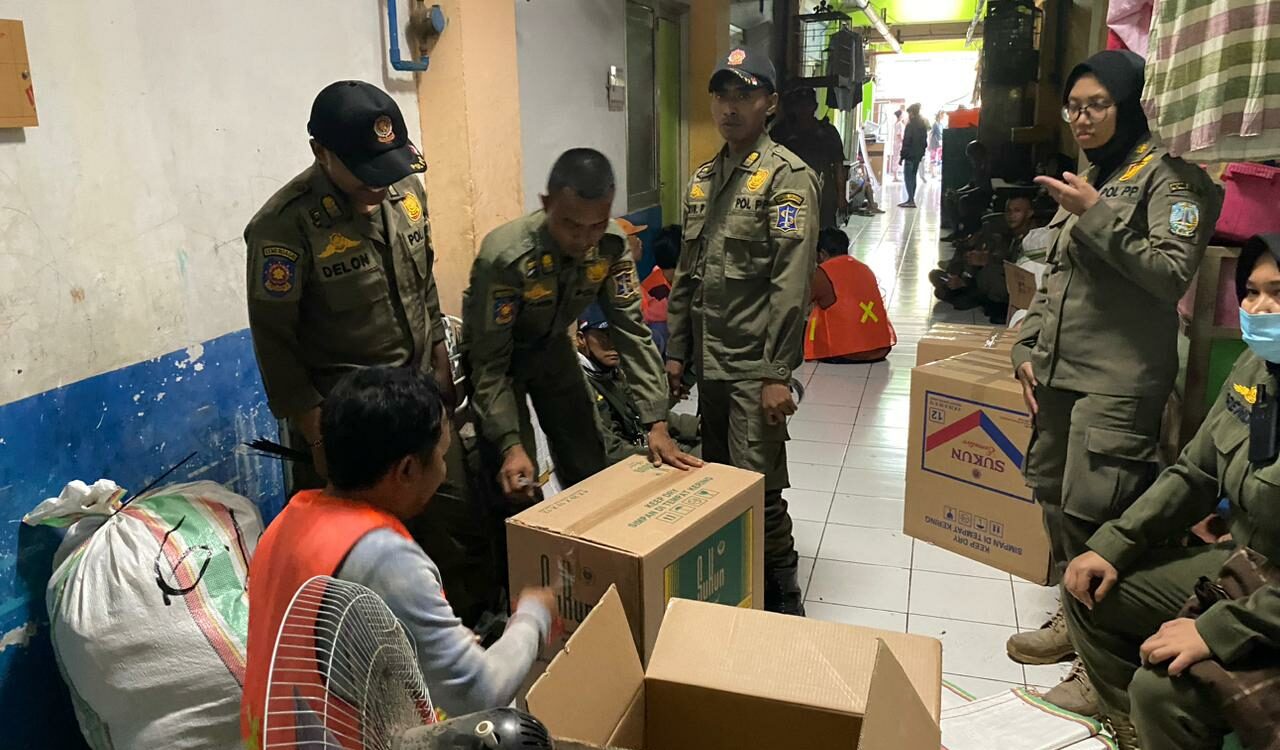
{"points": [[878, 23]]}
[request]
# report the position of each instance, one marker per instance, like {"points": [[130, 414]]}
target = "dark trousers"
{"points": [[735, 432], [910, 173]]}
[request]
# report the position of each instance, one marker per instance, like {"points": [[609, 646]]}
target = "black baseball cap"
{"points": [[363, 126], [593, 319], [751, 66]]}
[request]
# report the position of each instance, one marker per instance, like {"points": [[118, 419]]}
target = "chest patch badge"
{"points": [[757, 180], [548, 263], [277, 276], [597, 271], [1134, 169], [1184, 219], [331, 206], [696, 192], [338, 244], [537, 293], [1249, 394], [788, 217], [412, 207]]}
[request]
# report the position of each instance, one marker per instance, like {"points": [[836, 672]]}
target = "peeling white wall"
{"points": [[565, 48], [163, 127]]}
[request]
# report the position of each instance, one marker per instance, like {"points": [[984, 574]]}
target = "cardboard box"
{"points": [[654, 532], [945, 340], [1022, 286], [965, 492], [17, 95], [732, 679]]}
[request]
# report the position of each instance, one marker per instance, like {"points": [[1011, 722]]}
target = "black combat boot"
{"points": [[782, 592]]}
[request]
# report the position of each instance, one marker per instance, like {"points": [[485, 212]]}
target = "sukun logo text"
{"points": [[570, 607]]}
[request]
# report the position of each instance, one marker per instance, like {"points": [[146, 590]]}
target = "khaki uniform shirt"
{"points": [[524, 289], [1214, 464], [740, 299], [331, 290], [1105, 319]]}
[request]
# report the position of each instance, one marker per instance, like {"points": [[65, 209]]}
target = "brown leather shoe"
{"points": [[1048, 645], [1075, 693]]}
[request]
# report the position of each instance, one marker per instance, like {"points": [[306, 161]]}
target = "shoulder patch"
{"points": [[788, 216], [503, 301], [626, 284], [277, 251], [1184, 219], [278, 275], [1180, 187], [788, 198]]}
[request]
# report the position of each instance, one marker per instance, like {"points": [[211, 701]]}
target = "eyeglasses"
{"points": [[1097, 111]]}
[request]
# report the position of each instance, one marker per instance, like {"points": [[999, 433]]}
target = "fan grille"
{"points": [[344, 673]]}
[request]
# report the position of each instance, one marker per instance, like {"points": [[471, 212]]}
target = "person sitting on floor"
{"points": [[848, 323], [383, 436], [656, 287], [974, 277], [618, 417], [862, 194], [963, 209]]}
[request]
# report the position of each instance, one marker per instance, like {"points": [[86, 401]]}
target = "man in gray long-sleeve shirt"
{"points": [[385, 442]]}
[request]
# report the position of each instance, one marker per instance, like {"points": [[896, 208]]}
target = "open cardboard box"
{"points": [[724, 678]]}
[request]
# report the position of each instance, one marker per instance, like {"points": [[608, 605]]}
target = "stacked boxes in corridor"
{"points": [[967, 448], [655, 532]]}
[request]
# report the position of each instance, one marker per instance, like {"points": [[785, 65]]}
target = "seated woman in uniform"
{"points": [[1167, 671], [848, 323]]}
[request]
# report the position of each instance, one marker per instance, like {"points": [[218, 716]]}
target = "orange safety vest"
{"points": [[311, 537], [654, 309], [857, 322]]}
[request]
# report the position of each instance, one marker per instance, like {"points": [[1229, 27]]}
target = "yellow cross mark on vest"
{"points": [[868, 311]]}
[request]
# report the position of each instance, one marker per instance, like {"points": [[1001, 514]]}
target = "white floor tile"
{"points": [[978, 687], [805, 476], [806, 572], [855, 585], [876, 458], [846, 372], [813, 412], [884, 417], [873, 512], [807, 505], [1035, 604], [938, 560], [894, 622], [865, 545], [970, 648], [820, 432], [831, 395], [955, 597], [1046, 676], [807, 535], [872, 483], [810, 452], [882, 437]]}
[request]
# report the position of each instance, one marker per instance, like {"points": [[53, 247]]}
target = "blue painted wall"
{"points": [[130, 426], [650, 217]]}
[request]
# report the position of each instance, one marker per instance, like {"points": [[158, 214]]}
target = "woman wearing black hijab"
{"points": [[1167, 668], [1097, 354]]}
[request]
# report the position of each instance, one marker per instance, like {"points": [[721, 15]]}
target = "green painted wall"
{"points": [[919, 11]]}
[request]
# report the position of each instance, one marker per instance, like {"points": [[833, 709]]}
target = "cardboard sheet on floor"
{"points": [[965, 492], [655, 532], [724, 678], [1018, 720], [945, 340]]}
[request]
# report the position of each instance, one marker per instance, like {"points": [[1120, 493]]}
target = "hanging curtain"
{"points": [[1129, 22], [1213, 79]]}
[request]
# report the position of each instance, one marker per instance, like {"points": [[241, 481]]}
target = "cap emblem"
{"points": [[737, 57], [383, 128]]}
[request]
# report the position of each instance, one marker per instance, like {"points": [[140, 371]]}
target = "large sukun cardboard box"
{"points": [[656, 533], [945, 340], [967, 448], [722, 678]]}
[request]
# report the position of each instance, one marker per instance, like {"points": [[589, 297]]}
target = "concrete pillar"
{"points": [[469, 105], [708, 43]]}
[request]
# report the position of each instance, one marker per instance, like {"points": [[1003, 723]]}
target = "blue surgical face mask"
{"points": [[1262, 334]]}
